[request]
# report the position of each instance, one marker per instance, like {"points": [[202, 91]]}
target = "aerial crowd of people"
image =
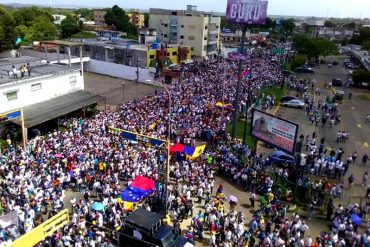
{"points": [[89, 157]]}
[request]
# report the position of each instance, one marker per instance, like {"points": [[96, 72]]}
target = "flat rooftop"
{"points": [[38, 69], [123, 44]]}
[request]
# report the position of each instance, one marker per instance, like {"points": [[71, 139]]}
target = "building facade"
{"points": [[129, 54], [199, 30], [47, 81], [136, 18], [99, 17]]}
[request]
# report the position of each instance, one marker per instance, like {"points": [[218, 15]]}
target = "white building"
{"points": [[58, 19], [197, 29], [51, 90]]}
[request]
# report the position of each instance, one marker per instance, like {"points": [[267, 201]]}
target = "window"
{"points": [[168, 54], [205, 38], [12, 95], [35, 87], [181, 36], [165, 25], [151, 56], [204, 48], [206, 27], [182, 26], [72, 81], [192, 48], [165, 35], [192, 27], [191, 37], [174, 53]]}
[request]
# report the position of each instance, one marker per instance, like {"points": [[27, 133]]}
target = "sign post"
{"points": [[244, 12], [7, 116]]}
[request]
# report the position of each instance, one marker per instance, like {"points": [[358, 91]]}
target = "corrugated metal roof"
{"points": [[44, 111]]}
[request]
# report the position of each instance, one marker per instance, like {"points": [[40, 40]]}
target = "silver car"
{"points": [[296, 103]]}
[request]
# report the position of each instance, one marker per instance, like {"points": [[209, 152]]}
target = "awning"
{"points": [[47, 110]]}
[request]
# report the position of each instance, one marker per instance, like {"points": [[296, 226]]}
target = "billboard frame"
{"points": [[272, 144], [238, 10]]}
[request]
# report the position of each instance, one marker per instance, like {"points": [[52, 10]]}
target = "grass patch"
{"points": [[240, 132], [277, 91], [84, 35], [364, 97]]}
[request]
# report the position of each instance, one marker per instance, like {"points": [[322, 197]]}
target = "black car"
{"points": [[304, 69], [337, 82], [335, 62], [287, 98]]}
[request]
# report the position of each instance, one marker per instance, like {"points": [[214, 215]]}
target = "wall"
{"points": [[170, 51], [117, 70], [51, 86], [198, 33]]}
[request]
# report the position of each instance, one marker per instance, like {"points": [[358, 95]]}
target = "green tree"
{"points": [[329, 24], [69, 26], [362, 36], [228, 25], [88, 14], [360, 76], [7, 30], [146, 19], [288, 26], [118, 18], [297, 61], [25, 16], [351, 25], [313, 48], [366, 45], [42, 29]]}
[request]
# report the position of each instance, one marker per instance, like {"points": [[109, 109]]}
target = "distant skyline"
{"points": [[319, 8]]}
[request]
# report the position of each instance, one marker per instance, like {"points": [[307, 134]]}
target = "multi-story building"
{"points": [[136, 18], [99, 17], [130, 54], [197, 29]]}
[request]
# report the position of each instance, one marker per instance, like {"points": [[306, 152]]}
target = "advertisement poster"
{"points": [[246, 11], [274, 131]]}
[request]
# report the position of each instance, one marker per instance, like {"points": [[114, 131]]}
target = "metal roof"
{"points": [[47, 110]]}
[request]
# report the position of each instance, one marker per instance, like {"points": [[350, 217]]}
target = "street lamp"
{"points": [[123, 91], [168, 140]]}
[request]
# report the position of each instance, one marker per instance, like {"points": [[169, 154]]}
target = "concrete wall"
{"points": [[51, 56], [51, 87], [118, 70]]}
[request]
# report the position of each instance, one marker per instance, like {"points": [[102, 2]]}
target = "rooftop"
{"points": [[121, 44], [38, 69]]}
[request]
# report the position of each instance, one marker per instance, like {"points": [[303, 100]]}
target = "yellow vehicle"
{"points": [[339, 95]]}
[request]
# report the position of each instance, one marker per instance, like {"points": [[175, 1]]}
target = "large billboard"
{"points": [[246, 11], [273, 130]]}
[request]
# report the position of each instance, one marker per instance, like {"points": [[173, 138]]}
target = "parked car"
{"points": [[336, 82], [287, 98], [280, 158], [304, 69], [296, 103], [351, 66], [335, 62]]}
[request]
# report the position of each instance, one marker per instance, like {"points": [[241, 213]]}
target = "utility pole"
{"points": [[236, 100], [137, 77]]}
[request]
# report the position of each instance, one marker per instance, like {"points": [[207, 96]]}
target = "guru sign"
{"points": [[246, 11]]}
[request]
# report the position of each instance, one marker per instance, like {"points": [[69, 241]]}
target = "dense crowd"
{"points": [[91, 158]]}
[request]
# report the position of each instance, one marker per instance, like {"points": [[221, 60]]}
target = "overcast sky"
{"points": [[324, 8]]}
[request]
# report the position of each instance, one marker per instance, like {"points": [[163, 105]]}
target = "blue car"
{"points": [[280, 158]]}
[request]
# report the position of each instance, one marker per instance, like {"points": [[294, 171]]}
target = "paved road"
{"points": [[111, 88], [353, 112]]}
